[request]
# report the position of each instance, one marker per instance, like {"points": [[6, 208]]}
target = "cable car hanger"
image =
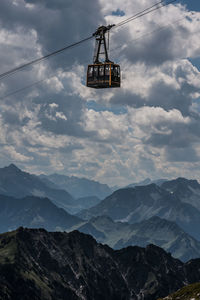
{"points": [[101, 40]]}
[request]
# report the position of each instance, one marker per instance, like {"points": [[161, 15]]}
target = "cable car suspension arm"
{"points": [[99, 34]]}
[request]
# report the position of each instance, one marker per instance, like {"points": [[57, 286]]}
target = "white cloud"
{"points": [[16, 156]]}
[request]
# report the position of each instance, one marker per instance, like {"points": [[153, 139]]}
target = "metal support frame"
{"points": [[101, 41]]}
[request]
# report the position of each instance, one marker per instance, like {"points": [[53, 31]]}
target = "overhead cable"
{"points": [[119, 48], [38, 60], [145, 12]]}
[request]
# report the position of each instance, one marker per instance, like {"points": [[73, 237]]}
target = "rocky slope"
{"points": [[36, 264]]}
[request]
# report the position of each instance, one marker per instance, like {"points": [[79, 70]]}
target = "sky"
{"points": [[150, 127]]}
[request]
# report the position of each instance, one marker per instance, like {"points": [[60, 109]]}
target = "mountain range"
{"points": [[33, 212], [143, 202], [155, 230], [78, 187], [17, 183], [161, 215], [36, 264]]}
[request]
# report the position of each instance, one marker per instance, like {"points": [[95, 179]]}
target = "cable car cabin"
{"points": [[103, 75]]}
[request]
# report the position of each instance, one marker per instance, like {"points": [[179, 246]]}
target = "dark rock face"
{"points": [[36, 264], [152, 269]]}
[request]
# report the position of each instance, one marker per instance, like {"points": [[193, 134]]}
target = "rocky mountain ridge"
{"points": [[37, 264]]}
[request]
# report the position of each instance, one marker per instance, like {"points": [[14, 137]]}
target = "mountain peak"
{"points": [[11, 168]]}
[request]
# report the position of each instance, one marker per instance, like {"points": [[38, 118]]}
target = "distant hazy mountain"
{"points": [[36, 264], [147, 181], [33, 212], [87, 202], [187, 190], [79, 187], [143, 202], [157, 231], [16, 183]]}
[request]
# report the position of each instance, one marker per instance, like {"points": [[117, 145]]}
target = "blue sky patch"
{"points": [[195, 62], [118, 12], [191, 4]]}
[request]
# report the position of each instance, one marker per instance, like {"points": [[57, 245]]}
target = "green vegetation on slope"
{"points": [[189, 292], [8, 248]]}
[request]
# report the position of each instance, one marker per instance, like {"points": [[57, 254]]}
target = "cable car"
{"points": [[102, 74]]}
